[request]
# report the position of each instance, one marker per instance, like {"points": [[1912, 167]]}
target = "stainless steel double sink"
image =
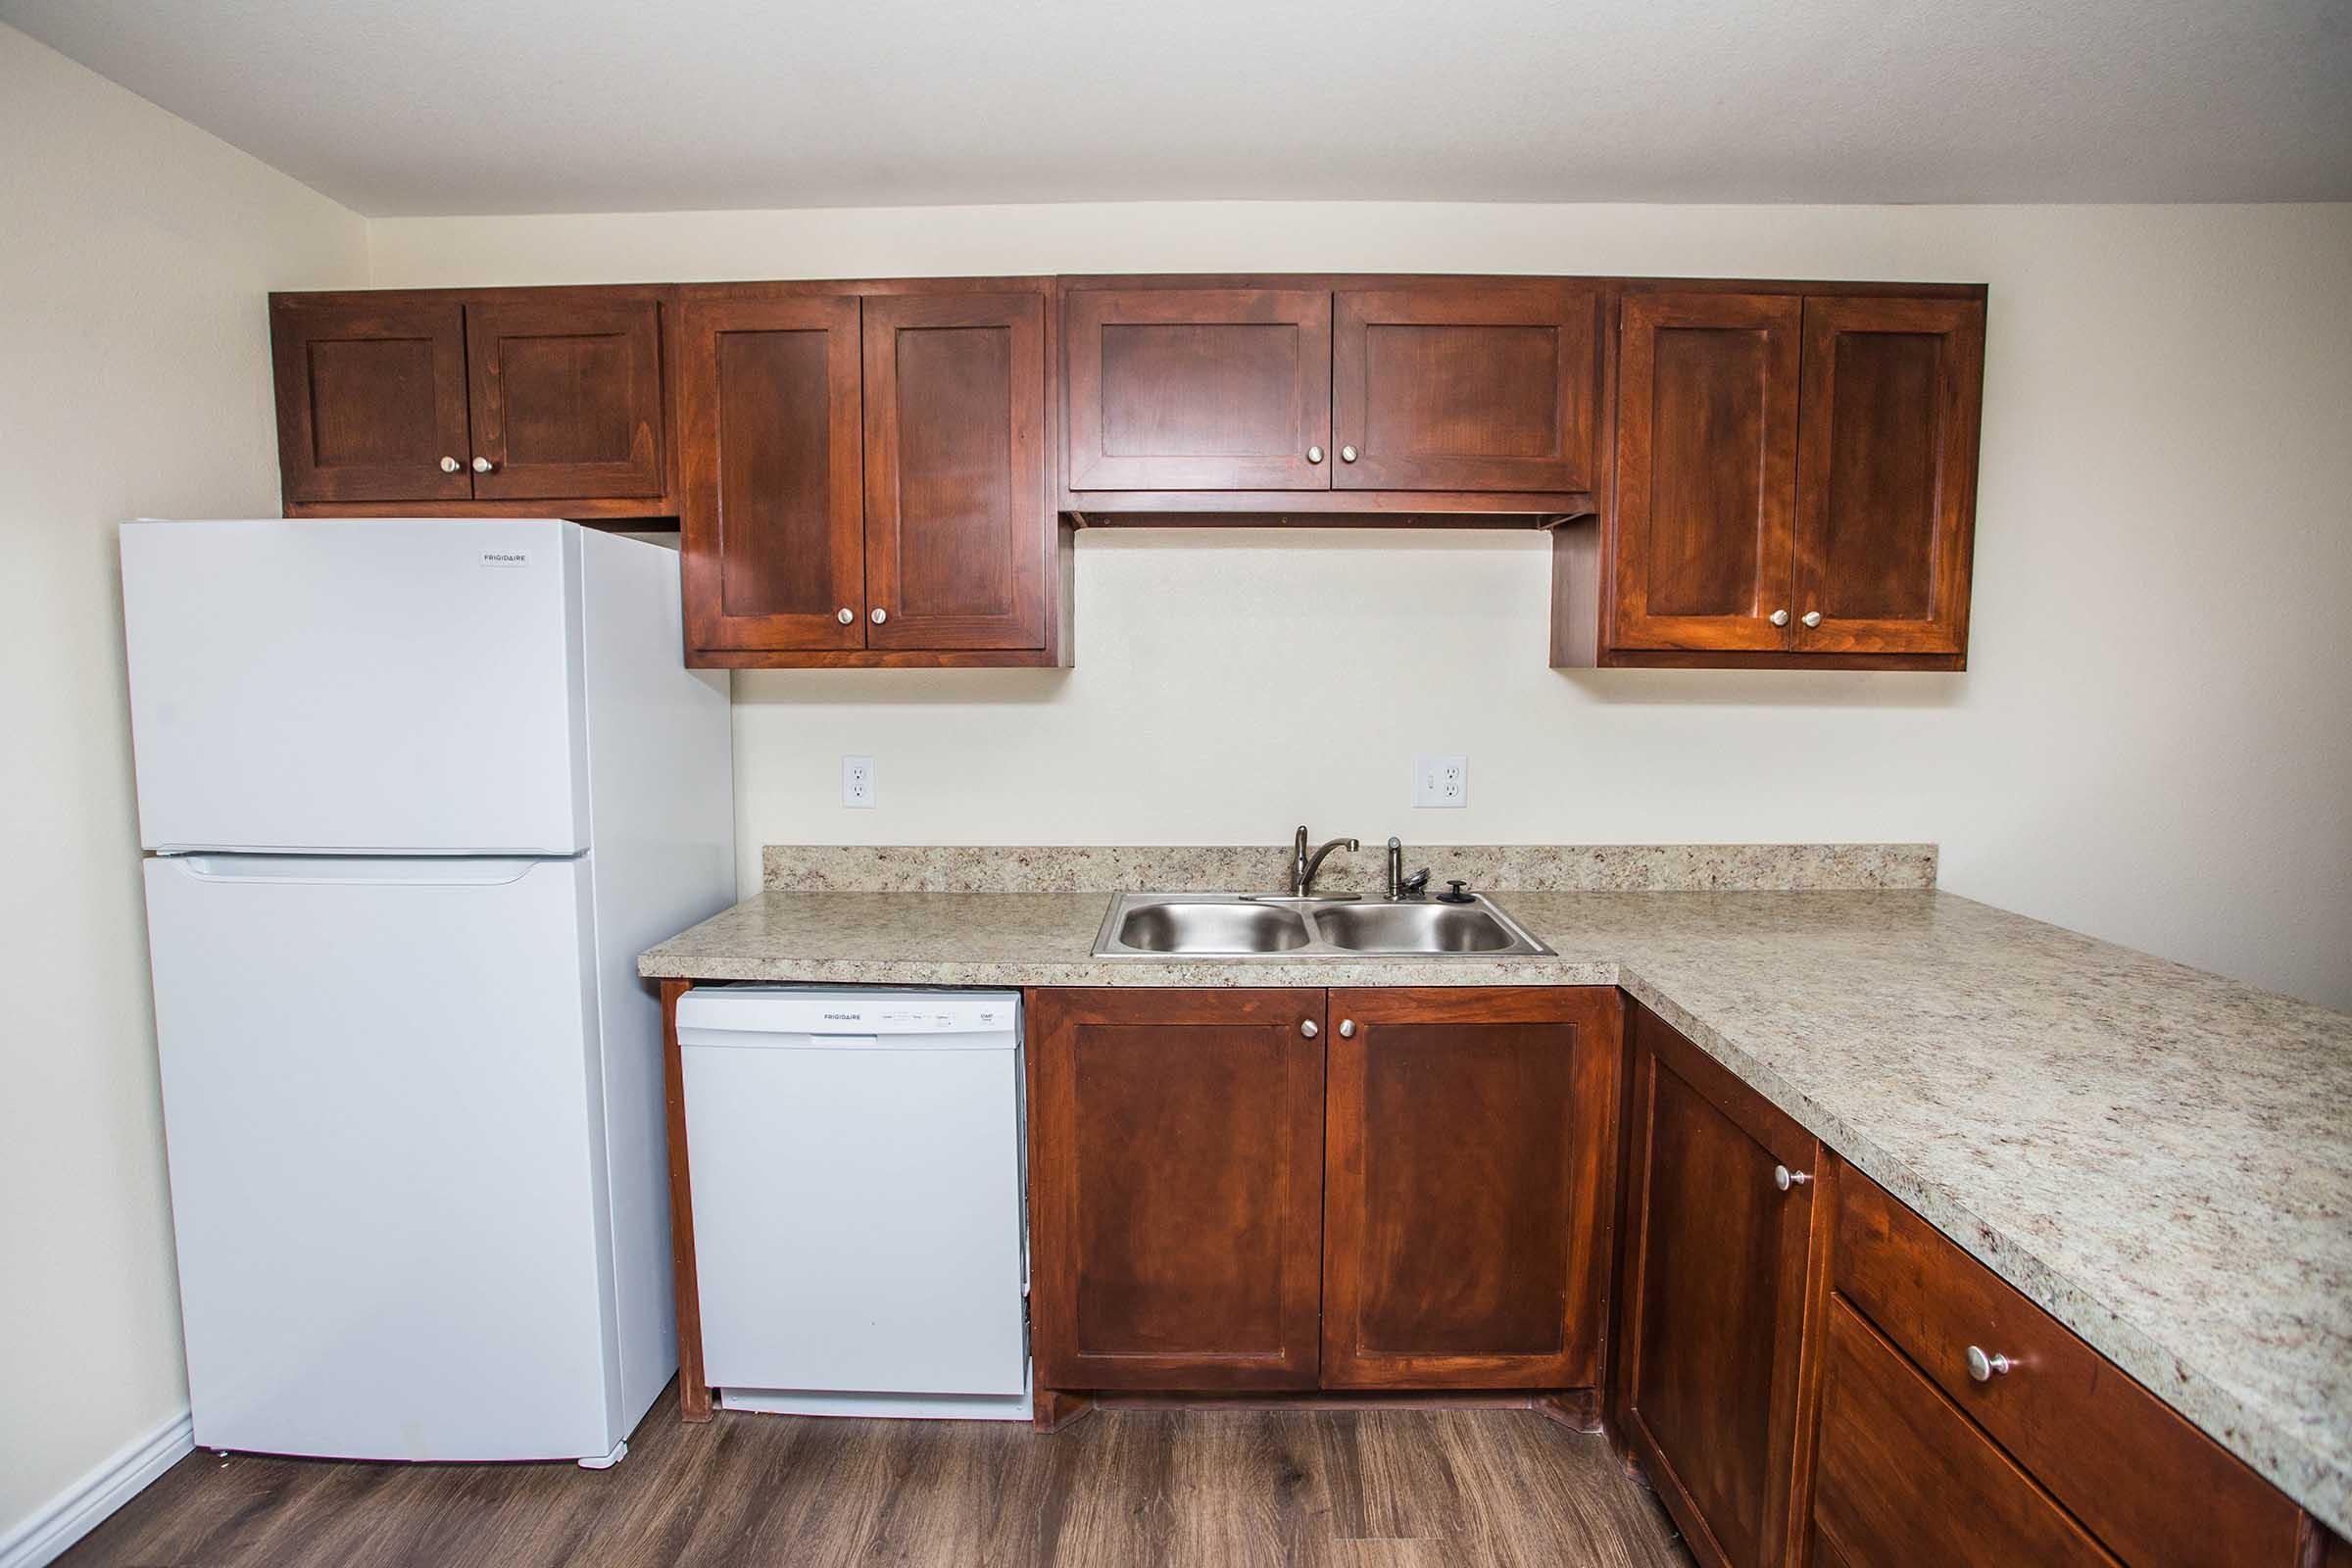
{"points": [[1241, 925]]}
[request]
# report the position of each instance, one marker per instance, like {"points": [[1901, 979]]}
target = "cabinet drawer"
{"points": [[2151, 1486], [1902, 1477]]}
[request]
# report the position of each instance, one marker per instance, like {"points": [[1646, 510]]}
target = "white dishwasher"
{"points": [[856, 1160]]}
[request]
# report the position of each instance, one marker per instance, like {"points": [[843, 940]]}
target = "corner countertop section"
{"points": [[2160, 1158]]}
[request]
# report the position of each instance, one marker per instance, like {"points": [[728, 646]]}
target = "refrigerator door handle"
{"points": [[435, 872]]}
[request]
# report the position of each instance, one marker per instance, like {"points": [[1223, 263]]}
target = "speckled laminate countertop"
{"points": [[2159, 1156]]}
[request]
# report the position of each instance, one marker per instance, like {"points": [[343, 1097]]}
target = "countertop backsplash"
{"points": [[1265, 868]]}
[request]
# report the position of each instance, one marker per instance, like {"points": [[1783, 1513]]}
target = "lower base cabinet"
{"points": [[1813, 1376], [1901, 1475], [1298, 1188], [1718, 1217]]}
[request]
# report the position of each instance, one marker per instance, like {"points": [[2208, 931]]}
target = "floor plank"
{"points": [[1250, 1488]]}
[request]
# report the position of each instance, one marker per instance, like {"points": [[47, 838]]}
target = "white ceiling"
{"points": [[400, 107]]}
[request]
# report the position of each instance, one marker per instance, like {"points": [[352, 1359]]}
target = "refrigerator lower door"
{"points": [[382, 1102]]}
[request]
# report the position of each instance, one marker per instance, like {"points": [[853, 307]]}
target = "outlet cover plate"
{"points": [[858, 781], [1441, 782]]}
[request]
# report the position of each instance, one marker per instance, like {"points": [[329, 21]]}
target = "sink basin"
{"points": [[1222, 929], [1237, 925], [1414, 928]]}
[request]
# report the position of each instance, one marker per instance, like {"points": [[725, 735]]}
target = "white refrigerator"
{"points": [[415, 793]]}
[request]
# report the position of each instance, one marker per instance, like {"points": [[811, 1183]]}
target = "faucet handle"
{"points": [[1414, 885]]}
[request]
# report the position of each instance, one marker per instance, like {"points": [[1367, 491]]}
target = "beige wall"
{"points": [[2152, 743], [135, 349]]}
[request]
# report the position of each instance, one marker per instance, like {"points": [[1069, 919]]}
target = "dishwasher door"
{"points": [[858, 1216]]}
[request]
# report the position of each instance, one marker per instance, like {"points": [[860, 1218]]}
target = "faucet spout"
{"points": [[1305, 866]]}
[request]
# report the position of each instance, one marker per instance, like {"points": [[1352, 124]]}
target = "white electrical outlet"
{"points": [[1442, 781], [858, 781]]}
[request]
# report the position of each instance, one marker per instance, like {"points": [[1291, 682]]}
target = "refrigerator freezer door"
{"points": [[395, 687], [386, 1182]]}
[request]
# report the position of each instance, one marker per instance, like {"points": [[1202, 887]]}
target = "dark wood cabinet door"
{"points": [[1706, 472], [1466, 385], [567, 398], [959, 525], [1707, 1385], [1468, 1166], [773, 522], [1199, 388], [371, 401], [1887, 473], [1175, 1198], [1901, 1475]]}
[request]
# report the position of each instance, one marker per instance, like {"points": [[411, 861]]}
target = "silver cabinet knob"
{"points": [[451, 464], [1784, 1178], [1346, 1028], [844, 614], [1346, 454], [1811, 618], [1307, 1027], [880, 614], [483, 464], [1314, 453], [1984, 1369], [1778, 618]]}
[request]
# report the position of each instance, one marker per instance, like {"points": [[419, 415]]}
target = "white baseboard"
{"points": [[83, 1506]]}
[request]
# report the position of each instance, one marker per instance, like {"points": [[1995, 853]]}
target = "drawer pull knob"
{"points": [[451, 464], [1314, 453], [1778, 618], [1784, 1178], [1811, 618], [844, 614], [1346, 1028], [1984, 1369], [483, 464], [1307, 1027]]}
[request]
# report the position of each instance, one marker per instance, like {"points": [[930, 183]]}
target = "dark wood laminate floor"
{"points": [[1400, 1488]]}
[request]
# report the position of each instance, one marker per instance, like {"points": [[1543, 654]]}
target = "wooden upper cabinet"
{"points": [[1175, 1190], [1706, 1389], [1469, 1166], [1706, 470], [371, 400], [959, 529], [566, 395], [773, 528], [1795, 482], [1199, 388], [1460, 384], [1887, 473]]}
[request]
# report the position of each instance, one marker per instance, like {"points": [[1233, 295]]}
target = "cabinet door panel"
{"points": [[567, 398], [773, 523], [371, 400], [1466, 386], [1900, 1476], [1715, 1278], [1199, 389], [1706, 470], [1465, 1180], [1887, 473], [1176, 1142], [959, 527]]}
